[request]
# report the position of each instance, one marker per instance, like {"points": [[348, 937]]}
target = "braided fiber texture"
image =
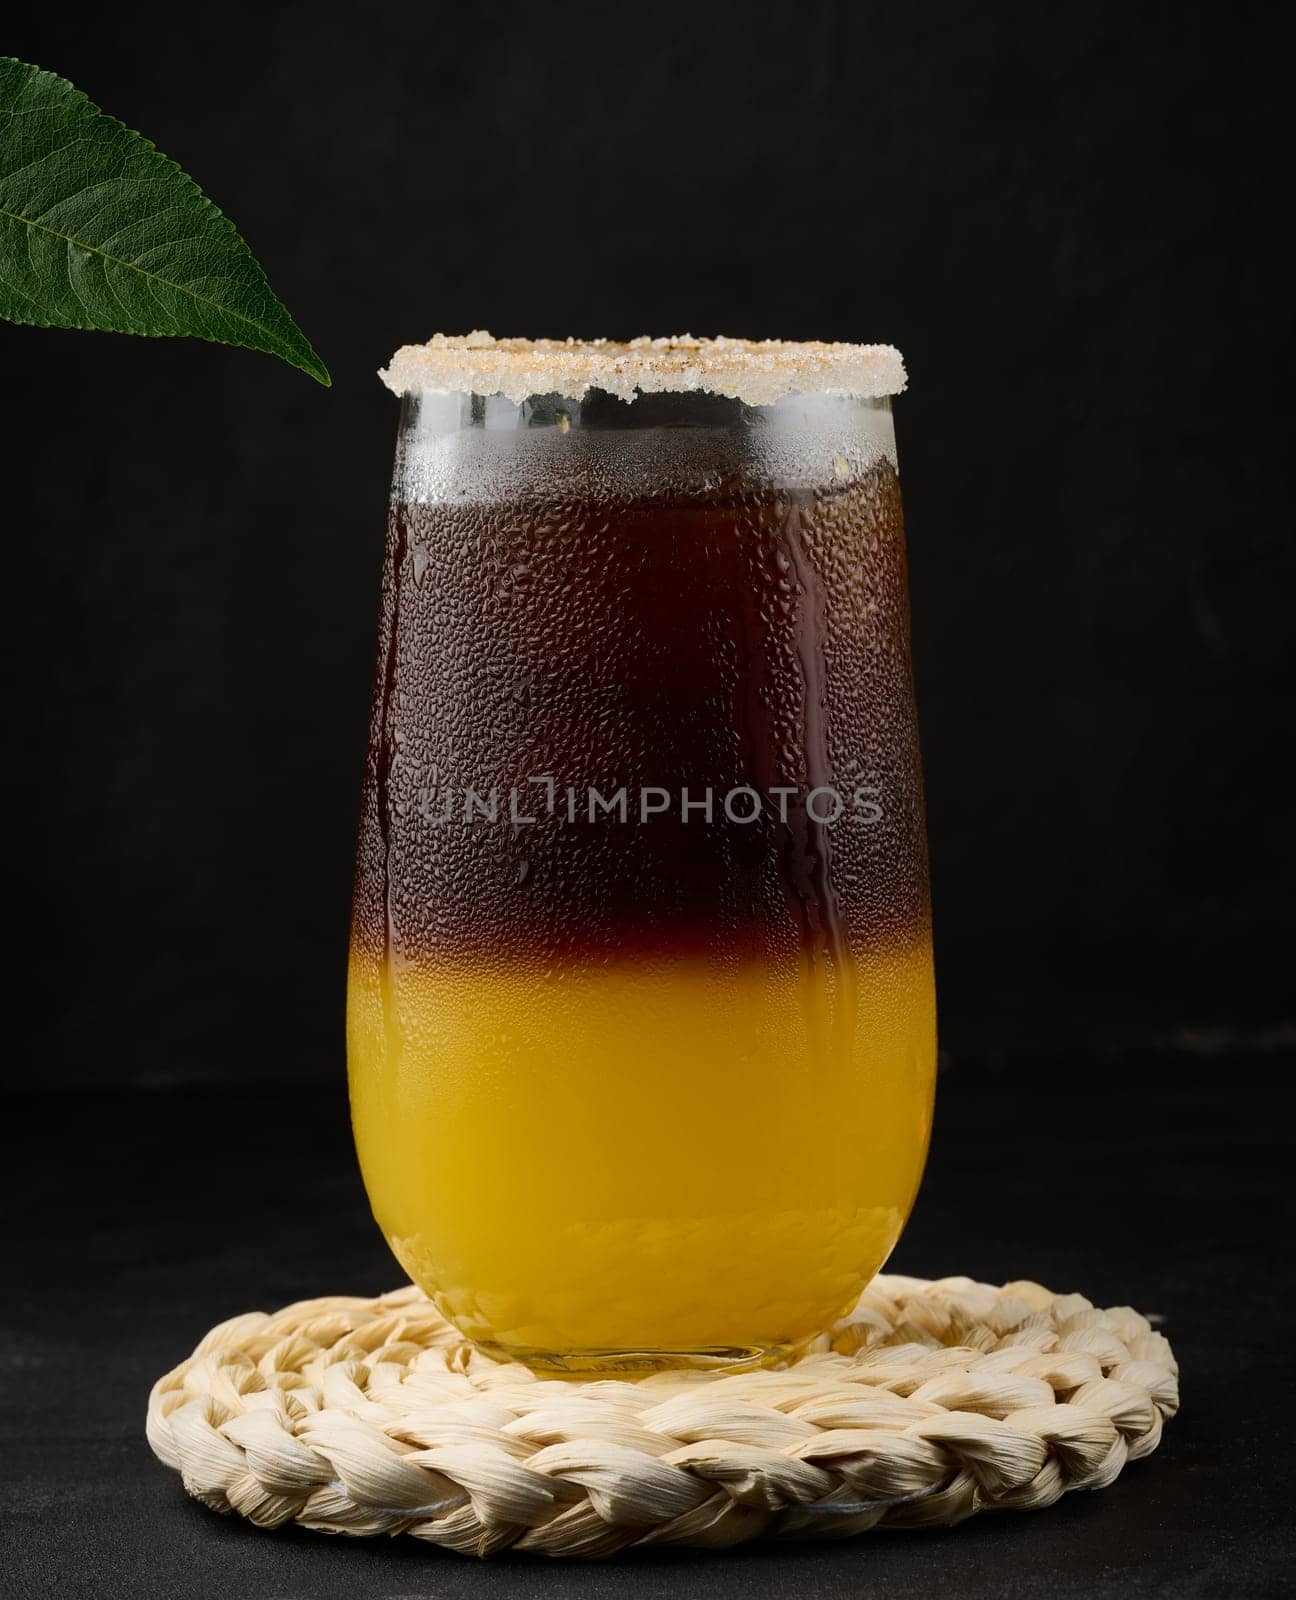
{"points": [[929, 1402]]}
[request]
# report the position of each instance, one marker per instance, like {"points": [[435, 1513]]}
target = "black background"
{"points": [[1062, 214]]}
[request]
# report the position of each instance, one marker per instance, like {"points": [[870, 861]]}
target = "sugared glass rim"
{"points": [[756, 372]]}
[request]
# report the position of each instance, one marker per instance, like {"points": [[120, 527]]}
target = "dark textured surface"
{"points": [[1060, 213], [139, 1219]]}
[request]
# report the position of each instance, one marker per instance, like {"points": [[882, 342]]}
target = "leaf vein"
{"points": [[116, 235], [155, 277]]}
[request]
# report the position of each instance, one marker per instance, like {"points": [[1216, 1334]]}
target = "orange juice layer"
{"points": [[667, 1155]]}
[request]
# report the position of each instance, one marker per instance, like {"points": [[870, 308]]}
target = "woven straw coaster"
{"points": [[929, 1402]]}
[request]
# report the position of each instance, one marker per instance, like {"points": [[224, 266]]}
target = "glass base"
{"points": [[593, 1363]]}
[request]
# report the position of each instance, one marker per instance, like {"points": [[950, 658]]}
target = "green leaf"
{"points": [[98, 229]]}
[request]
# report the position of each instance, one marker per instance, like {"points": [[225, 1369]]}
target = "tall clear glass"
{"points": [[641, 1015]]}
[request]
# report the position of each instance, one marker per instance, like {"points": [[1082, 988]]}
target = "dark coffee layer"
{"points": [[579, 703]]}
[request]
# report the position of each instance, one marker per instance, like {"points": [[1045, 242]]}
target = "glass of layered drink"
{"points": [[641, 1016]]}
